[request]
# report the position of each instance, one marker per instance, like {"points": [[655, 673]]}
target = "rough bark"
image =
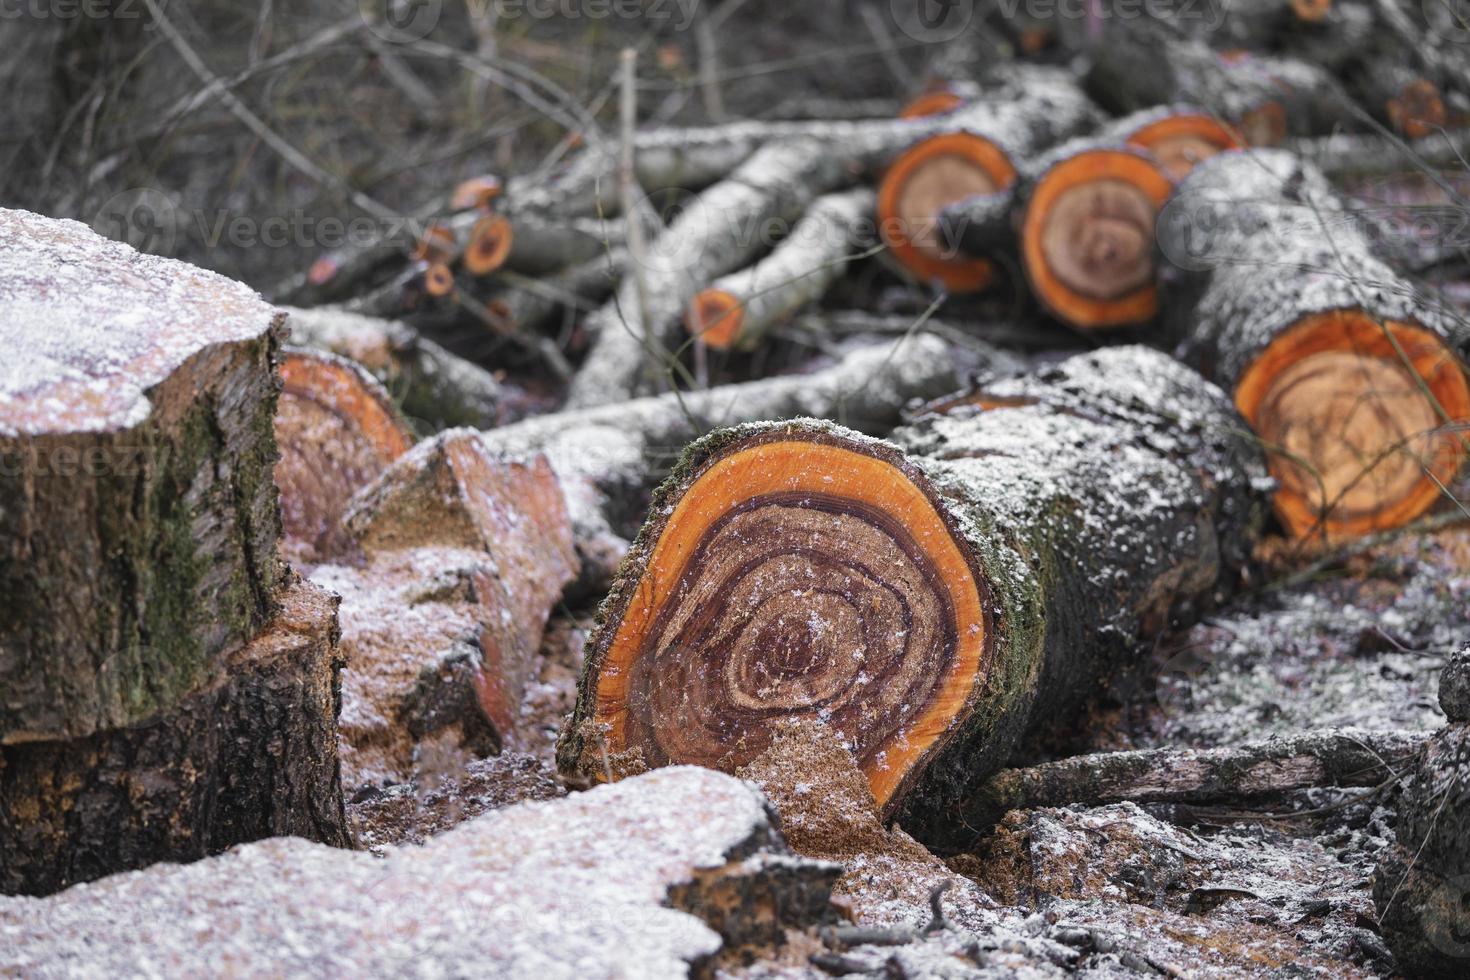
{"points": [[251, 755], [462, 555], [1140, 63], [432, 385], [652, 877], [1423, 879], [138, 522], [1454, 687], [337, 430], [1334, 757], [609, 458], [989, 567], [738, 310], [1275, 294], [719, 231]]}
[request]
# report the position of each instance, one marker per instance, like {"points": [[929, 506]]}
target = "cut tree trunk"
{"points": [[1177, 136], [980, 153], [1346, 375], [1140, 63], [166, 689], [932, 600], [1422, 884], [462, 554], [738, 310], [337, 430], [252, 755], [610, 458], [433, 385], [652, 877], [1085, 216], [138, 522], [718, 232]]}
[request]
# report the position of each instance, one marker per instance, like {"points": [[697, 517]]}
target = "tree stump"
{"points": [[931, 599], [166, 688]]}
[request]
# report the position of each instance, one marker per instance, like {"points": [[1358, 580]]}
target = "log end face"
{"points": [[801, 573], [1088, 237], [715, 316], [490, 244], [1183, 139], [931, 174], [336, 430], [1418, 109], [1353, 413]]}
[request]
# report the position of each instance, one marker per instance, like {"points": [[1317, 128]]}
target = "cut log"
{"points": [[465, 553], [719, 231], [1177, 136], [610, 458], [138, 526], [650, 878], [477, 193], [337, 430], [251, 755], [1139, 63], [490, 243], [1422, 884], [434, 386], [1348, 377], [1086, 222], [1334, 757], [1349, 155], [932, 599], [738, 310], [980, 155]]}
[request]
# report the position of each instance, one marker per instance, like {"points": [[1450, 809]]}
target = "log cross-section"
{"points": [[929, 600]]}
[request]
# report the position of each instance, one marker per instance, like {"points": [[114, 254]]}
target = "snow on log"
{"points": [[463, 554], [719, 231], [980, 153], [609, 458], [432, 384], [1349, 378], [1422, 884], [337, 430], [931, 599], [652, 877], [252, 754], [738, 310], [139, 519]]}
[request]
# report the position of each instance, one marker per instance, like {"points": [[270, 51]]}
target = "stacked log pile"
{"points": [[169, 688]]}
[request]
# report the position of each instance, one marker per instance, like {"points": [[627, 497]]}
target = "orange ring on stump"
{"points": [[1354, 332], [958, 275], [1184, 125], [1130, 167], [715, 316]]}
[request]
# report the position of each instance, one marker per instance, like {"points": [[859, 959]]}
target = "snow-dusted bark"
{"points": [[932, 598]]}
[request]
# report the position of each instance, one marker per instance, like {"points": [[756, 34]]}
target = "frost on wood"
{"points": [[1033, 535], [463, 555], [581, 887], [139, 520], [1336, 362]]}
